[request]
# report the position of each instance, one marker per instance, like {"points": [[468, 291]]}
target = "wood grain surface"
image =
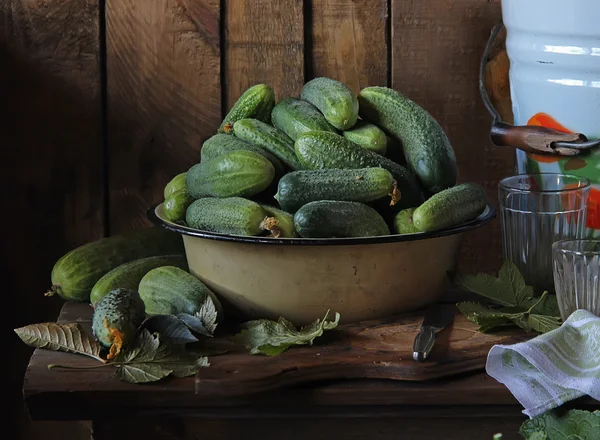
{"points": [[164, 97]]}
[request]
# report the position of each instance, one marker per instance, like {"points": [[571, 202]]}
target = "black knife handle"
{"points": [[423, 343]]}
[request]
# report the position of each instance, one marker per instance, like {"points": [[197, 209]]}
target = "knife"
{"points": [[437, 317]]}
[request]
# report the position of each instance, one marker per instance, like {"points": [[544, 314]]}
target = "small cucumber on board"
{"points": [[176, 184], [128, 275], [236, 174], [220, 144], [334, 99], [295, 116], [298, 188], [427, 149], [403, 222], [176, 205], [279, 223], [368, 136], [450, 207], [116, 319], [75, 273], [170, 290], [322, 150], [270, 138], [233, 215], [335, 219], [256, 102]]}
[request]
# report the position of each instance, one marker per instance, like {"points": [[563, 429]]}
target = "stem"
{"points": [[538, 301], [53, 290], [68, 367]]}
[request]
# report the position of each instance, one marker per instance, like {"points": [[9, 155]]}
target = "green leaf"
{"points": [[271, 338], [170, 328], [204, 321], [487, 319], [538, 435], [573, 425], [70, 338], [544, 324]]}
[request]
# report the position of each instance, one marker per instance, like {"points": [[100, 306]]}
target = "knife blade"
{"points": [[437, 317]]}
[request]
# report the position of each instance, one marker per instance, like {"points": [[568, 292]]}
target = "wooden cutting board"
{"points": [[379, 349]]}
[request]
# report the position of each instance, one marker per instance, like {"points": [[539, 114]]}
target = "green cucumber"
{"points": [[236, 174], [116, 319], [295, 116], [233, 215], [403, 222], [319, 150], [75, 273], [256, 102], [335, 219], [427, 149], [176, 205], [270, 138], [170, 290], [450, 207], [368, 136], [278, 222], [334, 99], [298, 188], [129, 275], [220, 144], [176, 184]]}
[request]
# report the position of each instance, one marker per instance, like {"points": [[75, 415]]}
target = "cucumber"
{"points": [[176, 205], [256, 102], [326, 218], [278, 222], [427, 149], [403, 222], [233, 215], [170, 290], [220, 144], [176, 184], [334, 99], [236, 174], [450, 207], [319, 150], [75, 273], [270, 138], [368, 136], [129, 275], [298, 188], [117, 318], [295, 116]]}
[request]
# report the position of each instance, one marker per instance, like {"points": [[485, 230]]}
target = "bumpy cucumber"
{"points": [[298, 188], [319, 150], [270, 138], [176, 205], [170, 290], [233, 215], [256, 102], [450, 207], [295, 117], [326, 218], [116, 319], [176, 184], [334, 99], [220, 144], [403, 222], [129, 275], [368, 136], [75, 273], [236, 174], [427, 149], [279, 223]]}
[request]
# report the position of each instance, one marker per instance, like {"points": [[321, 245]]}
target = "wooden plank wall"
{"points": [[108, 99]]}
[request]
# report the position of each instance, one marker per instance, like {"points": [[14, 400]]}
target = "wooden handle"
{"points": [[423, 344], [534, 139]]}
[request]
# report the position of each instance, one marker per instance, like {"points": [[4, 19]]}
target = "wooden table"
{"points": [[474, 406]]}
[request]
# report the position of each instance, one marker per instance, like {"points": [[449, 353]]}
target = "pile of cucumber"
{"points": [[326, 164]]}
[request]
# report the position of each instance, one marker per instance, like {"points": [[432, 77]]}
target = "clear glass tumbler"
{"points": [[535, 211], [577, 275]]}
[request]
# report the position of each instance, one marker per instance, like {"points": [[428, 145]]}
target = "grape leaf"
{"points": [[204, 321], [271, 338], [543, 323], [70, 338], [574, 424], [170, 328]]}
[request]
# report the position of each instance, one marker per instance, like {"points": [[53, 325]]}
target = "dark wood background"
{"points": [[104, 101]]}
